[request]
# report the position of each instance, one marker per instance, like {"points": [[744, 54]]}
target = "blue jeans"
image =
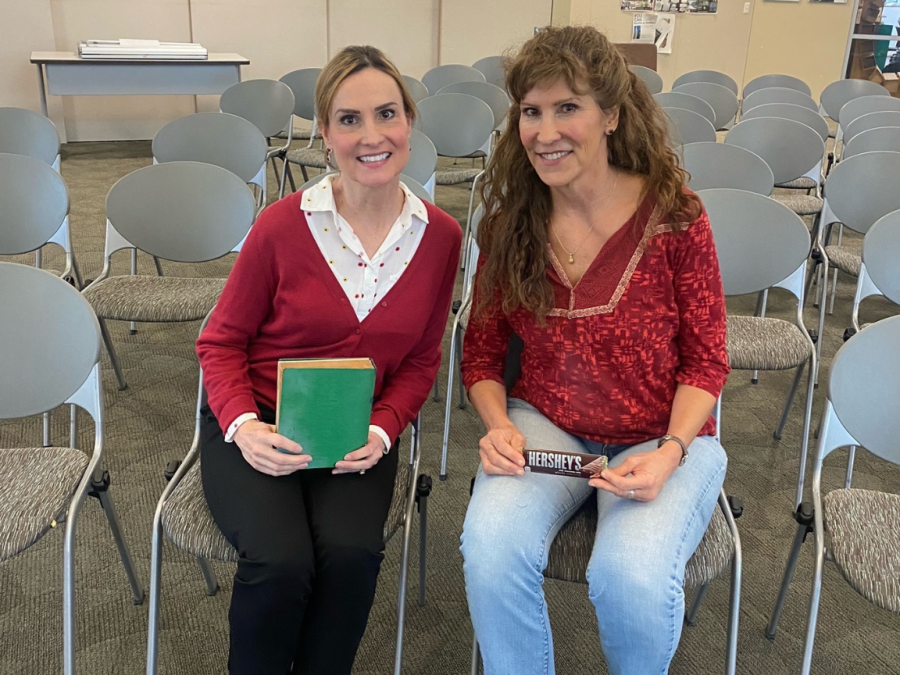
{"points": [[635, 573]]}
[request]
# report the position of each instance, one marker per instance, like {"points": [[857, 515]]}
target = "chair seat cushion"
{"points": [[38, 484], [148, 298], [571, 550], [802, 205], [764, 343], [455, 176], [307, 157], [188, 523], [298, 134], [802, 183], [865, 540], [846, 258]]}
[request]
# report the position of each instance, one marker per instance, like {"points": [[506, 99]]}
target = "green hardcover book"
{"points": [[325, 405]]}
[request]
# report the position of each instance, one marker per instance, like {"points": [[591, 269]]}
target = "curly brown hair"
{"points": [[513, 231]]}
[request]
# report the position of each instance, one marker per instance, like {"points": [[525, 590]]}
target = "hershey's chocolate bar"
{"points": [[565, 463]]}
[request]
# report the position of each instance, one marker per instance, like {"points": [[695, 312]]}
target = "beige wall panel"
{"points": [[90, 118], [472, 29], [278, 36], [406, 30], [806, 40]]}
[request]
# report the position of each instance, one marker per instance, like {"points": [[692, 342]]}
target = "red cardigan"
{"points": [[648, 313], [281, 300]]}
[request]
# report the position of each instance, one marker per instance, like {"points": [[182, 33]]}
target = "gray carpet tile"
{"points": [[150, 423]]}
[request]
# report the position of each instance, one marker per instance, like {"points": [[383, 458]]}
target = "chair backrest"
{"points": [[414, 186], [761, 243], [416, 89], [303, 83], [864, 105], [791, 149], [457, 124], [717, 165], [712, 76], [50, 338], [722, 99], [864, 385], [492, 69], [224, 140], [34, 203], [862, 189], [179, 211], [422, 158], [680, 99], [783, 81], [777, 95], [837, 94], [687, 127], [651, 78], [491, 94], [881, 255], [24, 132], [790, 111], [883, 139], [874, 120], [268, 104], [439, 77]]}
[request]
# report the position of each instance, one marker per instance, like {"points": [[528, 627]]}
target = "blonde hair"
{"points": [[513, 232], [349, 61]]}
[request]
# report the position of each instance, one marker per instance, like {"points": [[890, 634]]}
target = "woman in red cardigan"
{"points": [[599, 259], [356, 266]]}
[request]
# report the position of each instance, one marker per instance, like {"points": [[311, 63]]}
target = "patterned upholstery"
{"points": [[455, 176], [571, 550], [846, 258], [307, 157], [802, 183], [763, 343], [802, 205], [865, 541], [148, 298], [298, 134], [37, 486], [188, 523]]}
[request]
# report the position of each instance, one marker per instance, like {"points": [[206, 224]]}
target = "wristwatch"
{"points": [[684, 451]]}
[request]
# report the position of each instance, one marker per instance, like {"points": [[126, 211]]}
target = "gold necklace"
{"points": [[594, 220]]}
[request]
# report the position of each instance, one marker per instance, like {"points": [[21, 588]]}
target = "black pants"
{"points": [[310, 546]]}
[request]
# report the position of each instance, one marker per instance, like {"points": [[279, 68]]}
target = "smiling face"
{"points": [[564, 134], [367, 128]]}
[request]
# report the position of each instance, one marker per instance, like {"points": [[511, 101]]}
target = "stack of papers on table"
{"points": [[141, 49]]}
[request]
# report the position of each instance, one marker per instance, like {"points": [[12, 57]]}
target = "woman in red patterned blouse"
{"points": [[595, 254]]}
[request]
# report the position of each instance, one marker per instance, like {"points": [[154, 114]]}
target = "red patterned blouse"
{"points": [[648, 313]]}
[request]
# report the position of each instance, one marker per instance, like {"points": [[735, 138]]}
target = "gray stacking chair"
{"points": [[680, 99], [24, 132], [416, 89], [51, 346], [879, 273], [649, 77], [303, 83], [491, 94], [791, 149], [884, 139], [873, 120], [838, 93], [782, 81], [269, 105], [686, 127], [854, 528], [231, 142], [178, 211], [863, 105], [790, 111], [422, 162], [777, 95], [762, 244], [492, 69], [717, 165], [723, 100], [711, 76], [440, 76], [182, 516]]}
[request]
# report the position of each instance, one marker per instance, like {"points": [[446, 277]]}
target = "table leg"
{"points": [[40, 70]]}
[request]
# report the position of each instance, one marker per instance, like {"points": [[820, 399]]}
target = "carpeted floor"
{"points": [[151, 423]]}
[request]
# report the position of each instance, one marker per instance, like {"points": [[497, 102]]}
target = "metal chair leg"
{"points": [[404, 573], [422, 491], [73, 426], [155, 580], [848, 479], [690, 618], [107, 340], [799, 537], [790, 400], [814, 598], [458, 371], [132, 326], [46, 430], [449, 403], [476, 656], [212, 585], [77, 273], [100, 490], [156, 262], [807, 423], [761, 301], [436, 391]]}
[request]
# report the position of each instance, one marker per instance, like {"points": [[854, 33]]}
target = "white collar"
{"points": [[320, 197]]}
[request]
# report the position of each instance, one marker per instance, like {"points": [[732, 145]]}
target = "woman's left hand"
{"points": [[364, 458], [640, 477]]}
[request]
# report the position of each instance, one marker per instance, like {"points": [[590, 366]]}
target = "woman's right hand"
{"points": [[259, 442], [501, 451]]}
